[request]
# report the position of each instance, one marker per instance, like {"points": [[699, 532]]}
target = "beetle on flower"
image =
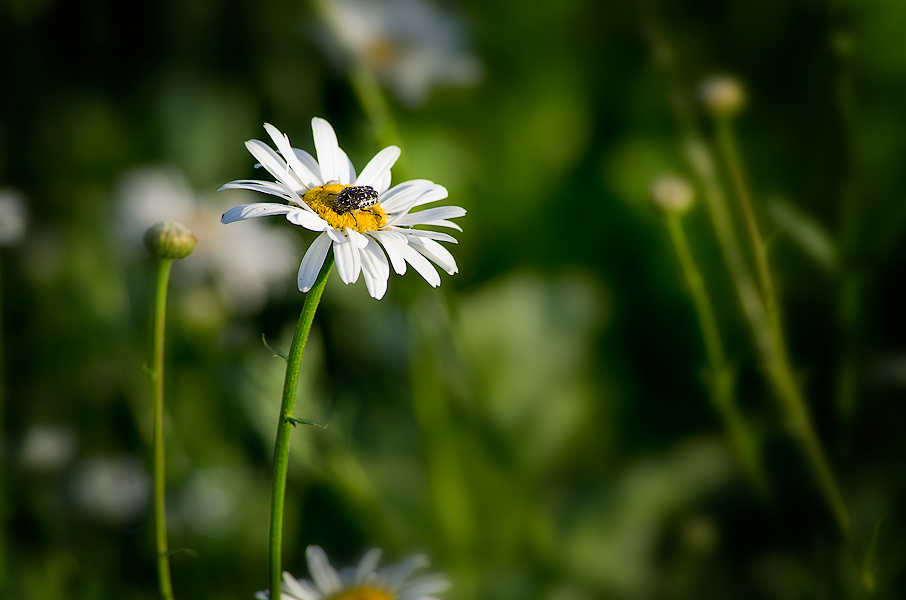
{"points": [[362, 217]]}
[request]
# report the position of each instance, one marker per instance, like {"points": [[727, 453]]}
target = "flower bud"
{"points": [[721, 95], [170, 240], [671, 195]]}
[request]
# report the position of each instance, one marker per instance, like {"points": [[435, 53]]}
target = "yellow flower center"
{"points": [[363, 593], [321, 200]]}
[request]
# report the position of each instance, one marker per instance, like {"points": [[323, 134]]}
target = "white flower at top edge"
{"points": [[411, 45], [363, 582], [362, 238]]}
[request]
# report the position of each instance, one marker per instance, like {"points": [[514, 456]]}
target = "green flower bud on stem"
{"points": [[170, 240], [671, 195], [722, 95]]}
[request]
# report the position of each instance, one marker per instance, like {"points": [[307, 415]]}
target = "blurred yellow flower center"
{"points": [[321, 200], [363, 594], [382, 53]]}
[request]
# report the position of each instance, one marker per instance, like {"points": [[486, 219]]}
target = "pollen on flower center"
{"points": [[363, 593], [322, 200]]}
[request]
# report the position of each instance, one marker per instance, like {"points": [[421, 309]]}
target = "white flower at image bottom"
{"points": [[363, 582], [365, 220]]}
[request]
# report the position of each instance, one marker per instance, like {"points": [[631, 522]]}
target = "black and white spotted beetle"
{"points": [[356, 197]]}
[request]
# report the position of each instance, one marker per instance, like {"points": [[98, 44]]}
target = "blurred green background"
{"points": [[538, 425]]}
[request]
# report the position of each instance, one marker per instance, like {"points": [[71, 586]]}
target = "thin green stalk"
{"points": [[157, 381], [726, 142], [764, 327], [285, 425], [375, 104], [721, 375]]}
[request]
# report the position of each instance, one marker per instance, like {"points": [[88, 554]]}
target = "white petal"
{"points": [[437, 192], [368, 564], [312, 262], [385, 183], [357, 239], [308, 220], [426, 195], [275, 165], [349, 264], [258, 209], [427, 584], [423, 217], [403, 195], [327, 146], [336, 235], [440, 255], [299, 588], [444, 223], [310, 163], [373, 172], [325, 576], [346, 169], [395, 575], [424, 233], [420, 264], [303, 173], [267, 187], [391, 244], [404, 186], [375, 269]]}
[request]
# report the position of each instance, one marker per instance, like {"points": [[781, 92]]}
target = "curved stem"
{"points": [[285, 425], [721, 374], [157, 379]]}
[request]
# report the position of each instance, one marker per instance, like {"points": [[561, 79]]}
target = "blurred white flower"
{"points": [[13, 217], [209, 502], [47, 448], [362, 582], [244, 263], [356, 214], [411, 45], [114, 490]]}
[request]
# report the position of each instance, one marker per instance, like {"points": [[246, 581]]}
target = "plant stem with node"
{"points": [[286, 423]]}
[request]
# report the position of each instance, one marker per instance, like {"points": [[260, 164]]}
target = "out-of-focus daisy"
{"points": [[358, 215], [13, 217], [410, 45], [244, 264], [363, 582], [115, 489], [47, 447]]}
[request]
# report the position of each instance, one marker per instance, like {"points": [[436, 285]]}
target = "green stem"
{"points": [[375, 104], [157, 379], [721, 374], [285, 425], [764, 327], [726, 142]]}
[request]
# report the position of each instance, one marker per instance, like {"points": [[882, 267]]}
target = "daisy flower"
{"points": [[364, 582], [411, 45], [361, 216]]}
